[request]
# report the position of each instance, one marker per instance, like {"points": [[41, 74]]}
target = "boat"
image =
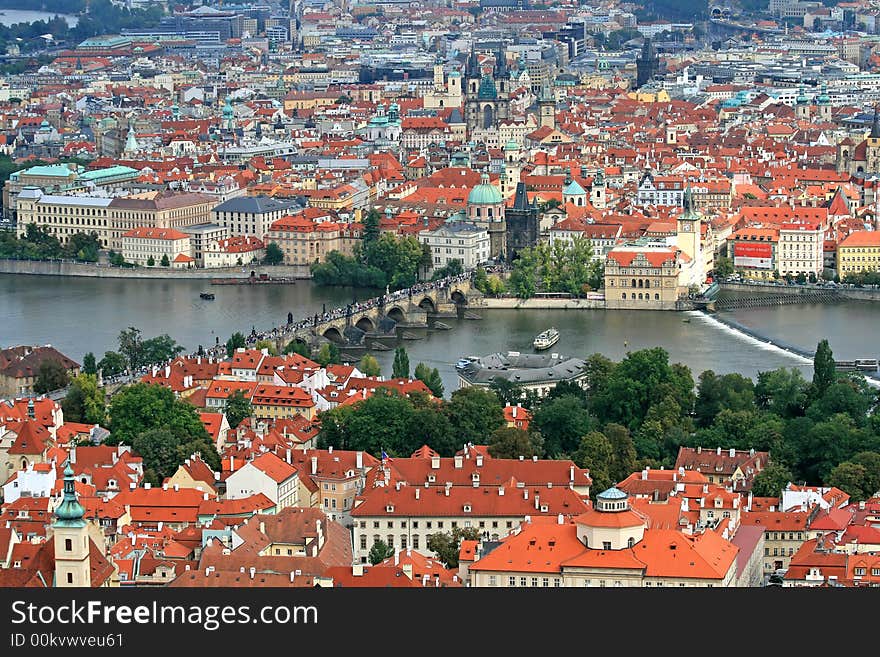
{"points": [[546, 339], [207, 295], [463, 363], [686, 320]]}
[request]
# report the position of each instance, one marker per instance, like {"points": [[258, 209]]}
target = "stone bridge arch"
{"points": [[397, 314], [365, 324], [459, 298], [334, 335], [427, 304]]}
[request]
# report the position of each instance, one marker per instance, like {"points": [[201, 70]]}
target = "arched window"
{"points": [[647, 283], [633, 283], [623, 296], [656, 296], [630, 542], [641, 283], [640, 296]]}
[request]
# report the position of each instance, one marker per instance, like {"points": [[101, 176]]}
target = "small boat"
{"points": [[546, 339], [207, 295], [464, 362], [686, 320], [440, 326]]}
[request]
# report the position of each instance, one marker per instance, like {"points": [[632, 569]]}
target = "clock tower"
{"points": [[688, 229]]}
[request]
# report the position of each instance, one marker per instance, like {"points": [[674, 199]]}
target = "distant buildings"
{"points": [[532, 372], [20, 367]]}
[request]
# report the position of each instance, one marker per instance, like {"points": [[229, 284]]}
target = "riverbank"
{"points": [[512, 303], [853, 293], [89, 270]]}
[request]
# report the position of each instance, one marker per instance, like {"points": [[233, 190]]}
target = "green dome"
{"points": [[824, 98], [511, 145], [573, 189], [485, 193], [70, 512], [802, 97]]}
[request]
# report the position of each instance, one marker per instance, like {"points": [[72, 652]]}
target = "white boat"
{"points": [[546, 339]]}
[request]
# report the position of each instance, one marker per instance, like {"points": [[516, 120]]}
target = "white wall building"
{"points": [[268, 474], [460, 241]]}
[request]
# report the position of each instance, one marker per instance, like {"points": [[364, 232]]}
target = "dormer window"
{"points": [[431, 478], [467, 508], [389, 508]]}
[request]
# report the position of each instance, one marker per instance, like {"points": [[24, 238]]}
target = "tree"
{"points": [[383, 421], [562, 422], [160, 349], [871, 462], [158, 447], [165, 262], [51, 376], [236, 341], [238, 407], [268, 345], [112, 364], [771, 481], [430, 378], [595, 453], [446, 545], [274, 254], [598, 368], [511, 443], [851, 478], [824, 370], [508, 392], [379, 552], [131, 346], [567, 389], [481, 280], [297, 347], [400, 366], [371, 228], [723, 267], [151, 261], [782, 391], [142, 406], [623, 452], [84, 401], [328, 354], [369, 365], [474, 414], [89, 364], [119, 261], [715, 393]]}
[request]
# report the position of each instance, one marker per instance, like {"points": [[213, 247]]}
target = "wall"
{"points": [[536, 304], [857, 293], [70, 268]]}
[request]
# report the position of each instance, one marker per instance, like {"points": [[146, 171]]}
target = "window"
{"points": [[439, 524], [523, 582], [511, 581], [493, 580], [363, 542], [68, 545], [859, 571], [70, 578], [415, 542], [586, 582], [606, 545], [557, 582], [534, 581], [545, 582]]}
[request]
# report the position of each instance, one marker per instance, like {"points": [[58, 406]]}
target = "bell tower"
{"points": [[71, 539], [688, 228]]}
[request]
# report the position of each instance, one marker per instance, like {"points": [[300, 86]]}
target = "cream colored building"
{"points": [[646, 276], [110, 218], [141, 244], [800, 248], [234, 251]]}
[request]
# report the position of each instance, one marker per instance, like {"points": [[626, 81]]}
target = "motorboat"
{"points": [[207, 295], [546, 339]]}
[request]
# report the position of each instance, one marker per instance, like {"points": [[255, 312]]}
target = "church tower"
{"points": [[547, 108], [512, 168], [488, 99], [873, 147], [802, 106], [647, 63], [688, 229], [598, 191], [823, 105], [71, 539]]}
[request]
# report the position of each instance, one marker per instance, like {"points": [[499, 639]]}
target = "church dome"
{"points": [[485, 193], [511, 145], [823, 98], [70, 512], [802, 97]]}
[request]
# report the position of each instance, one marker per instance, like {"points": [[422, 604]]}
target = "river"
{"points": [[78, 315], [13, 16]]}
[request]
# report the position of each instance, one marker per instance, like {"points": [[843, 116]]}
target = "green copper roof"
{"points": [[573, 189], [48, 171], [70, 512], [484, 193], [487, 89], [511, 145], [109, 172]]}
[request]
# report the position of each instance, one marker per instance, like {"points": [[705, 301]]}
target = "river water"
{"points": [[13, 16], [77, 315]]}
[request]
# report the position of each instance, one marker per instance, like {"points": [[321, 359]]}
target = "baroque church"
{"points": [[487, 98]]}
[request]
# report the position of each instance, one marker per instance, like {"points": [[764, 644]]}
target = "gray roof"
{"points": [[255, 205], [523, 368], [613, 493]]}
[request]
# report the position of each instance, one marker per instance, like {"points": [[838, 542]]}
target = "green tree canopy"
{"points": [[782, 391], [328, 354], [84, 401], [112, 363], [715, 393], [511, 443], [400, 366], [297, 347], [446, 545], [236, 341], [51, 376], [431, 378], [238, 407], [141, 407], [824, 370], [268, 345], [274, 254], [474, 413], [596, 454], [771, 481], [90, 366], [379, 552], [131, 345], [369, 365], [562, 422], [851, 478]]}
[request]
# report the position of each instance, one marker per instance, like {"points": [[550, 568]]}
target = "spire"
{"points": [[521, 200], [500, 65], [473, 66], [875, 126], [131, 143], [688, 202], [70, 512]]}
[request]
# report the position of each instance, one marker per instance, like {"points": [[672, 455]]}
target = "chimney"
{"points": [[357, 570], [500, 491], [417, 493], [525, 493], [262, 527], [359, 460], [176, 487], [71, 455], [330, 449], [253, 572], [292, 576], [699, 449], [205, 496], [537, 501], [147, 485], [479, 460], [288, 455], [752, 451], [314, 464], [645, 474], [732, 452], [32, 414], [535, 458], [459, 461]]}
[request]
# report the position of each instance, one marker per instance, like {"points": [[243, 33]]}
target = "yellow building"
{"points": [[859, 252], [646, 277], [277, 402]]}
